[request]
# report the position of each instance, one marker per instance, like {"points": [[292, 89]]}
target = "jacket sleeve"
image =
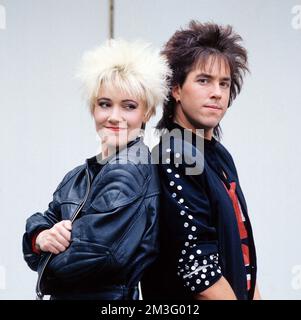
{"points": [[41, 221], [34, 224], [187, 214], [107, 236]]}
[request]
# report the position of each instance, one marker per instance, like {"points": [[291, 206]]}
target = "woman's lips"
{"points": [[116, 129]]}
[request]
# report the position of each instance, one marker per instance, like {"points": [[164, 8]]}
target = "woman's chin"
{"points": [[116, 142]]}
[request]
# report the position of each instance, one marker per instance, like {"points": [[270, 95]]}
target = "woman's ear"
{"points": [[176, 92], [146, 117], [92, 106]]}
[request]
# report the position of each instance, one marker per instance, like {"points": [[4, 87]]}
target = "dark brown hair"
{"points": [[191, 47]]}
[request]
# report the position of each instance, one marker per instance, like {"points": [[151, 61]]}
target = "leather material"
{"points": [[116, 235]]}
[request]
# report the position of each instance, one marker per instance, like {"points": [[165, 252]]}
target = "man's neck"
{"points": [[205, 134]]}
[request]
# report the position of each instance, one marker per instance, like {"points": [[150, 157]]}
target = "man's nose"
{"points": [[216, 91]]}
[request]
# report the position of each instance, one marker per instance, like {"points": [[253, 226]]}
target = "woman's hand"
{"points": [[56, 239]]}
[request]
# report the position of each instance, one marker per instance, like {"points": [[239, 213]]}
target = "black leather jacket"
{"points": [[114, 237]]}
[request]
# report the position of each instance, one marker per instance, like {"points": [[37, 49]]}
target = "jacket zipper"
{"points": [[40, 295]]}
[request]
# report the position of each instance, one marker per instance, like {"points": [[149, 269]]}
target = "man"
{"points": [[207, 247]]}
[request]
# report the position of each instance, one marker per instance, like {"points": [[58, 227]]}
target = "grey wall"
{"points": [[45, 127], [46, 130]]}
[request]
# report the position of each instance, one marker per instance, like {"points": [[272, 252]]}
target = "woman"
{"points": [[100, 231]]}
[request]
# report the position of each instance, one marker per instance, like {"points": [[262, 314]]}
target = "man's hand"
{"points": [[257, 295], [221, 290], [56, 239]]}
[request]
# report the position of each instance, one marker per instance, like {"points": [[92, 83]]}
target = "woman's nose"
{"points": [[115, 115]]}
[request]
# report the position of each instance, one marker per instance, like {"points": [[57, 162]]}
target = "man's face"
{"points": [[204, 96]]}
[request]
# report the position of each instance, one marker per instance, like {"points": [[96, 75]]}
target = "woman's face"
{"points": [[118, 117]]}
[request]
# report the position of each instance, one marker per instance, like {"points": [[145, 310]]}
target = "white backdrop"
{"points": [[46, 129]]}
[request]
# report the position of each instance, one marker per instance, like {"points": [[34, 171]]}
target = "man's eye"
{"points": [[225, 84], [203, 80]]}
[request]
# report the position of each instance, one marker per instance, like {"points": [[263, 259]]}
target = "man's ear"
{"points": [[176, 92]]}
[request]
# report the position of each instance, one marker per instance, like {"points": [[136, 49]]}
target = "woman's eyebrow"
{"points": [[104, 98], [129, 100]]}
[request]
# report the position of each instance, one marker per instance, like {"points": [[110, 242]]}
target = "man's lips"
{"points": [[213, 106]]}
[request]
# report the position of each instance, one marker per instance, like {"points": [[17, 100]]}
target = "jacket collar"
{"points": [[100, 161], [208, 144]]}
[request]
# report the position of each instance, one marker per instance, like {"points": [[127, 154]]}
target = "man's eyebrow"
{"points": [[209, 76], [226, 79], [202, 74]]}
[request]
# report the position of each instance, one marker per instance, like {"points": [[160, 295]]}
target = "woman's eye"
{"points": [[103, 104], [130, 106]]}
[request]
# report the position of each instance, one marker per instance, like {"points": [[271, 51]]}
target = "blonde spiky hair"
{"points": [[132, 67]]}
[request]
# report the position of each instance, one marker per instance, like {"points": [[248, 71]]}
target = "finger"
{"points": [[48, 247], [61, 239], [66, 234], [52, 249], [58, 246], [67, 224]]}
